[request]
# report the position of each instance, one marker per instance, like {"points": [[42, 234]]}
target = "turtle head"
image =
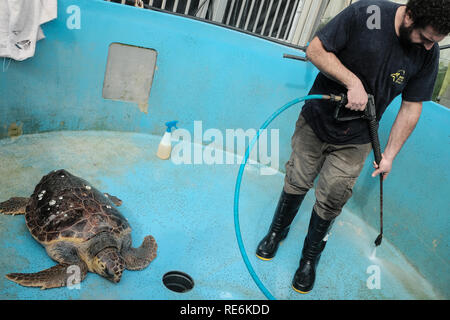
{"points": [[109, 264]]}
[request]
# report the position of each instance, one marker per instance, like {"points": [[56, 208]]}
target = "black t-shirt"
{"points": [[375, 56]]}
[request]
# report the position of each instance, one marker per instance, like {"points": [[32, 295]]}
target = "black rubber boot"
{"points": [[285, 212], [305, 275]]}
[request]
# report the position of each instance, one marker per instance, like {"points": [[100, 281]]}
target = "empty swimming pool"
{"points": [[55, 115]]}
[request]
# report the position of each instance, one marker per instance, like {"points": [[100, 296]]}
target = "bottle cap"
{"points": [[170, 125]]}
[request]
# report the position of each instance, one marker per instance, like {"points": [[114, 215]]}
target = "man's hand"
{"points": [[404, 124], [357, 96], [384, 167], [331, 67]]}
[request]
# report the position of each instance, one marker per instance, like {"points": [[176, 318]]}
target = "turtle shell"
{"points": [[64, 206]]}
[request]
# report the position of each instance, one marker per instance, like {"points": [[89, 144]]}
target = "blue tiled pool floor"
{"points": [[189, 211]]}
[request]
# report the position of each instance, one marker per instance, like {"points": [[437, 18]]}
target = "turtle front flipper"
{"points": [[139, 258], [13, 206], [113, 199], [57, 276]]}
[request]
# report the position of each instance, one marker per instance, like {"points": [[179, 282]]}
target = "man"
{"points": [[377, 47]]}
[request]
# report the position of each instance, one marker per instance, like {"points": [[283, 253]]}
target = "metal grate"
{"points": [[273, 19], [196, 8]]}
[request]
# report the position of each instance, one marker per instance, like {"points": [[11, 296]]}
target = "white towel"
{"points": [[20, 29]]}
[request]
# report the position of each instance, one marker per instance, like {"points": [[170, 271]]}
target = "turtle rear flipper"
{"points": [[139, 258], [13, 206], [57, 276]]}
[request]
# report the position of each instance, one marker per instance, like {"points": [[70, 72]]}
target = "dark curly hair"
{"points": [[434, 13]]}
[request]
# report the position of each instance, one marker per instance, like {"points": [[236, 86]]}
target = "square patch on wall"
{"points": [[129, 74]]}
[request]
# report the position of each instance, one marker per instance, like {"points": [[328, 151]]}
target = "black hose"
{"points": [[370, 115], [373, 131]]}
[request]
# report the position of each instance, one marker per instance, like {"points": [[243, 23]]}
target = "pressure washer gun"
{"points": [[370, 115]]}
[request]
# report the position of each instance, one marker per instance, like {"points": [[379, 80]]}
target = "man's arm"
{"points": [[329, 64], [404, 124]]}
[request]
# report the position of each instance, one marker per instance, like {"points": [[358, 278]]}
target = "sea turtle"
{"points": [[80, 228]]}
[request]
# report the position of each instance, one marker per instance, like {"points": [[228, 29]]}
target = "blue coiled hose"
{"points": [[238, 188]]}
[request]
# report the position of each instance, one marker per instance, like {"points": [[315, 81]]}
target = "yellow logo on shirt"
{"points": [[398, 77]]}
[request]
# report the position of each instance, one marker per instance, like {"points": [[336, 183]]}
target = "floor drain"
{"points": [[178, 281]]}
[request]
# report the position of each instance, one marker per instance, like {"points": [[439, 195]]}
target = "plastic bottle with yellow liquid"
{"points": [[165, 146]]}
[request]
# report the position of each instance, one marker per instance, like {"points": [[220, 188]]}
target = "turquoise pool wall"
{"points": [[227, 80], [416, 204]]}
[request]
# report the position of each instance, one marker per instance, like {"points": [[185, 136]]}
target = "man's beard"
{"points": [[405, 37]]}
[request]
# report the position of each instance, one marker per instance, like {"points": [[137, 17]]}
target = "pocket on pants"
{"points": [[291, 173], [348, 189], [334, 193]]}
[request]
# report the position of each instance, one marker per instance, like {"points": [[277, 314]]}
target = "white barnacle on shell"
{"points": [[88, 187], [51, 217], [60, 198], [52, 202], [62, 176], [109, 207]]}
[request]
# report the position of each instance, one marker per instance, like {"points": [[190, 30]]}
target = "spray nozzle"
{"points": [[170, 125]]}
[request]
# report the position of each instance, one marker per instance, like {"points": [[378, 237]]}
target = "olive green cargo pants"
{"points": [[338, 167]]}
